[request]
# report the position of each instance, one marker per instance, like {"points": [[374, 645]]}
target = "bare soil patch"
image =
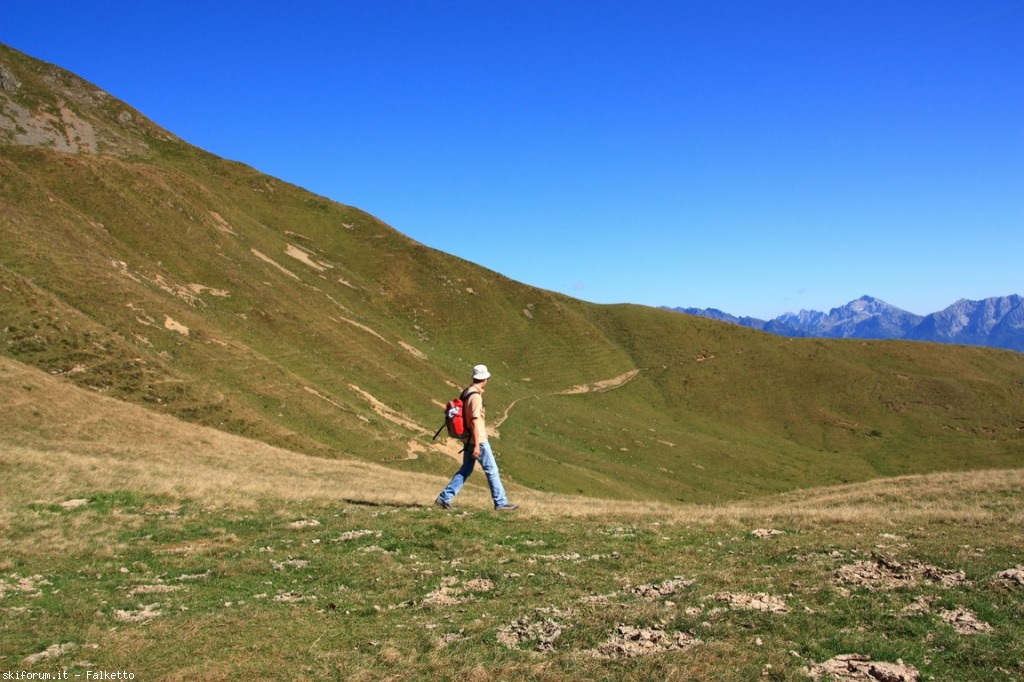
{"points": [[629, 641], [760, 601], [965, 621], [27, 587], [766, 533], [858, 668], [51, 652], [542, 632], [667, 588], [1012, 576], [140, 615], [882, 573]]}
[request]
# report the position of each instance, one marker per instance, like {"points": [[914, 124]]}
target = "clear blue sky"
{"points": [[751, 155]]}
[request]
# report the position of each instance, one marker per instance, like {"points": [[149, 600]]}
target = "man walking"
{"points": [[477, 449]]}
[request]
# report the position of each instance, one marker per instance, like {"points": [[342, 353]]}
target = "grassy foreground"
{"points": [[136, 543]]}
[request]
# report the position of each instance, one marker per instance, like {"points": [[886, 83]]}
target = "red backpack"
{"points": [[455, 419]]}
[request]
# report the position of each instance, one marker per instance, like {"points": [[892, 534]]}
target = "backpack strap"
{"points": [[465, 405]]}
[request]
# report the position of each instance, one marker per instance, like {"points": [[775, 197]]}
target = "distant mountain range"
{"points": [[997, 322]]}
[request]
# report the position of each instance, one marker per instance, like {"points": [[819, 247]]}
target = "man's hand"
{"points": [[476, 451]]}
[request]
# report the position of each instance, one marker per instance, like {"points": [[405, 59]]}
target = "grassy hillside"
{"points": [[136, 542], [146, 270]]}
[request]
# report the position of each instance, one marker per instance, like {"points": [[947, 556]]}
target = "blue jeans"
{"points": [[490, 467]]}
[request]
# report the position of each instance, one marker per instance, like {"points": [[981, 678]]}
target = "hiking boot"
{"points": [[447, 506], [506, 507]]}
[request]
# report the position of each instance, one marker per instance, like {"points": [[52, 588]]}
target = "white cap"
{"points": [[480, 373]]}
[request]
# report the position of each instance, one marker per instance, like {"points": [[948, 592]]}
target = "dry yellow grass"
{"points": [[61, 442]]}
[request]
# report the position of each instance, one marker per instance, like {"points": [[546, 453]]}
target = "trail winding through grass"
{"points": [[594, 387]]}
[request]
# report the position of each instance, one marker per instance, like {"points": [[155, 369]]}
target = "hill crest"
{"points": [[147, 270]]}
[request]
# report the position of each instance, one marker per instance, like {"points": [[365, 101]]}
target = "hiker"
{"points": [[477, 449]]}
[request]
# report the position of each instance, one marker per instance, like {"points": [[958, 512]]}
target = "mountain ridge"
{"points": [[996, 322], [137, 266]]}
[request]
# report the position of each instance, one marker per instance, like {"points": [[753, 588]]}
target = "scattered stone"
{"points": [[74, 504], [304, 523], [753, 602], [8, 81], [665, 589], [857, 668], [965, 621], [766, 532], [629, 641]]}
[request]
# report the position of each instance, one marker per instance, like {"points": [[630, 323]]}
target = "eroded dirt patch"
{"points": [[667, 588], [153, 589], [26, 587], [859, 668], [629, 641], [349, 535], [140, 615], [882, 573], [1013, 577], [760, 601], [964, 621], [54, 651], [541, 631], [450, 592], [766, 533]]}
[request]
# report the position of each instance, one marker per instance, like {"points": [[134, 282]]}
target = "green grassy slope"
{"points": [[131, 541], [156, 273]]}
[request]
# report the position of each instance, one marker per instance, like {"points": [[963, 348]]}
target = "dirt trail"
{"points": [[594, 387], [600, 386], [415, 447]]}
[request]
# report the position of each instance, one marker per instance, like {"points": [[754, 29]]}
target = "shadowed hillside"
{"points": [[137, 266]]}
